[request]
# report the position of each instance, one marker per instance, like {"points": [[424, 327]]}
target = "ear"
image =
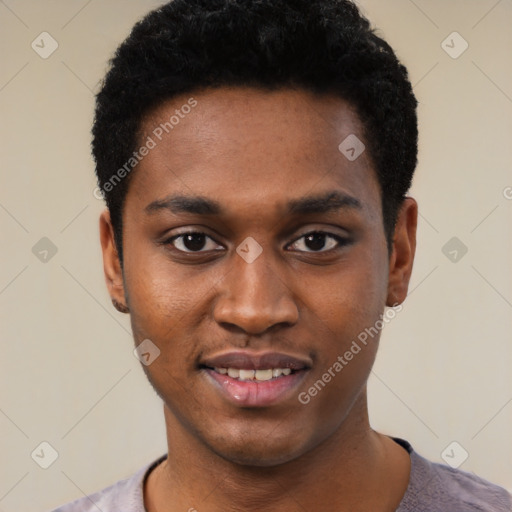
{"points": [[402, 254], [111, 263]]}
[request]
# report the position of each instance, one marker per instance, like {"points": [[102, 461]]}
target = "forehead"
{"points": [[254, 148]]}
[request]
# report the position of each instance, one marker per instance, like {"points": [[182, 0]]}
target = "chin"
{"points": [[254, 458], [257, 450]]}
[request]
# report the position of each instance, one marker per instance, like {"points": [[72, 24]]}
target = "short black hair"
{"points": [[323, 46]]}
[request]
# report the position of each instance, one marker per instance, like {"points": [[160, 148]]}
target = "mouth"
{"points": [[255, 380], [253, 375]]}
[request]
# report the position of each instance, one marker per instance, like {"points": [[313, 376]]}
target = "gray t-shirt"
{"points": [[432, 488]]}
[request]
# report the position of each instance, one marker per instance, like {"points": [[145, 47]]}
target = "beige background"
{"points": [[68, 375]]}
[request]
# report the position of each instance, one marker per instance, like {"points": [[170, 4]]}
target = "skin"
{"points": [[253, 151]]}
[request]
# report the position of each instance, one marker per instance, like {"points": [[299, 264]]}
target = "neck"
{"points": [[353, 469]]}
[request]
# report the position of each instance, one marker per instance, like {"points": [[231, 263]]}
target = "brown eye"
{"points": [[193, 241], [318, 241]]}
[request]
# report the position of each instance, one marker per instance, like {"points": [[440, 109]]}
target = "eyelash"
{"points": [[341, 241]]}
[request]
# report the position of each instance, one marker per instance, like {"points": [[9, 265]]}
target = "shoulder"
{"points": [[126, 495], [437, 488]]}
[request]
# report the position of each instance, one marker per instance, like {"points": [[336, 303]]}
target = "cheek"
{"points": [[346, 315], [159, 294], [167, 306], [346, 320], [350, 339], [351, 300]]}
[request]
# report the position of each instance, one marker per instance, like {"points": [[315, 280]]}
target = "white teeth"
{"points": [[247, 374], [233, 373], [259, 375], [263, 374]]}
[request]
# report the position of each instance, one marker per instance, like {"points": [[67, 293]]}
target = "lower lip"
{"points": [[250, 393]]}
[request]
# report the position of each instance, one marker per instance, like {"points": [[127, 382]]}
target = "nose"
{"points": [[254, 297]]}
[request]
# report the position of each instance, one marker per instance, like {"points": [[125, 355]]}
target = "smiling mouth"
{"points": [[255, 379], [262, 375], [263, 387]]}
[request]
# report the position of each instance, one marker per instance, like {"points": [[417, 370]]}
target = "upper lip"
{"points": [[244, 360]]}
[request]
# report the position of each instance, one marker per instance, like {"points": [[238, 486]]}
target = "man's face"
{"points": [[272, 279]]}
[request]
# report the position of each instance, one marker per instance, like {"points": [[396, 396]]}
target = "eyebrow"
{"points": [[198, 205]]}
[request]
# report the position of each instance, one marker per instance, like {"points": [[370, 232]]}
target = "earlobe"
{"points": [[120, 307], [402, 254], [111, 263]]}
